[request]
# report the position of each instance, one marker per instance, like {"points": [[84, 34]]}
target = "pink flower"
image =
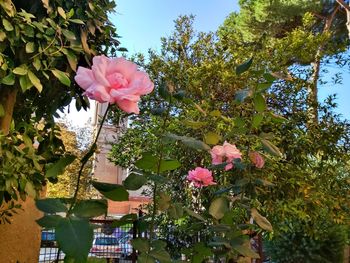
{"points": [[257, 159], [114, 80], [217, 153], [200, 177], [229, 151]]}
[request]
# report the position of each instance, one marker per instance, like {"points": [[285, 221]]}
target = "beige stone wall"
{"points": [[20, 240]]}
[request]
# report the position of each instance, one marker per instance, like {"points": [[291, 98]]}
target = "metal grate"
{"points": [[110, 243]]}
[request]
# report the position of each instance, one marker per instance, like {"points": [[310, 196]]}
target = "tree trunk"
{"points": [[7, 100], [313, 86]]}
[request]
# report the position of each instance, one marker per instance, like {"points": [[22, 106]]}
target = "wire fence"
{"points": [[110, 244]]}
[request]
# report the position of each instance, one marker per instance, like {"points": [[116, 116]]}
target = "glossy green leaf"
{"points": [[134, 181], [90, 208], [259, 103], [30, 47], [113, 192], [140, 244], [35, 81], [244, 66], [69, 34], [261, 220], [49, 221], [77, 21], [8, 80], [75, 236], [149, 162], [7, 25], [50, 205], [21, 70], [218, 207], [271, 148], [61, 76], [257, 119], [58, 168], [25, 83]]}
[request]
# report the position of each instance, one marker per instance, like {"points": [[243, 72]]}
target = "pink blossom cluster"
{"points": [[227, 152]]}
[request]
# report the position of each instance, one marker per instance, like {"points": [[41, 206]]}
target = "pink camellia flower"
{"points": [[257, 159], [229, 151], [114, 80], [200, 177]]}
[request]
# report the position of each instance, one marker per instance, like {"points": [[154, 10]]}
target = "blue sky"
{"points": [[142, 23]]}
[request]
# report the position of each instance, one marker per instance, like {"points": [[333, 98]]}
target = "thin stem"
{"points": [[86, 158], [154, 211]]}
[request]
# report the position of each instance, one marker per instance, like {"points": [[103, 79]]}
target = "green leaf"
{"points": [[7, 25], [122, 49], [158, 244], [277, 118], [2, 36], [134, 181], [50, 205], [271, 148], [140, 244], [25, 83], [163, 201], [113, 192], [77, 21], [74, 236], [176, 211], [72, 60], [261, 220], [69, 34], [246, 251], [35, 81], [189, 141], [168, 165], [160, 255], [263, 182], [30, 47], [8, 80], [149, 162], [21, 70], [257, 119], [194, 214], [58, 168], [49, 221], [145, 258], [244, 66], [61, 76], [36, 63], [61, 12], [218, 208], [259, 103], [90, 208], [212, 138]]}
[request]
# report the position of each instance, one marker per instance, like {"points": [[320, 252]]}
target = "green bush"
{"points": [[295, 245]]}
